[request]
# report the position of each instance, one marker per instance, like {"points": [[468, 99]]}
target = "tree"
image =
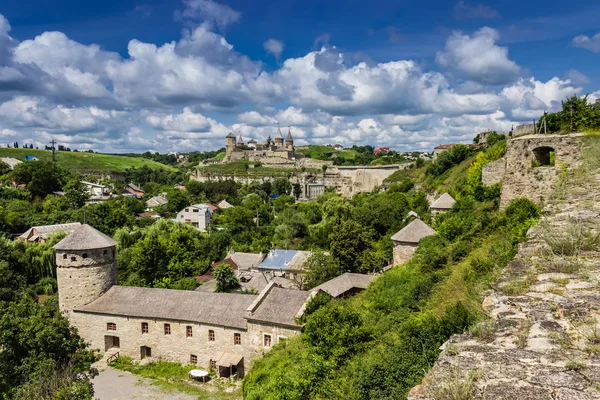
{"points": [[282, 186], [76, 193], [320, 267], [41, 177], [225, 277], [4, 168], [178, 199], [348, 243]]}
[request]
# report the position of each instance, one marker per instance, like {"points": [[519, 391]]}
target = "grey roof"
{"points": [[413, 232], [289, 136], [219, 309], [252, 141], [246, 260], [253, 281], [231, 135], [344, 283], [45, 230], [224, 204], [285, 259], [280, 306], [85, 238], [444, 202], [11, 162], [159, 199], [279, 135]]}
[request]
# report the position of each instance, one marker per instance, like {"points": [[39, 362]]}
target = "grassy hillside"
{"points": [[86, 162], [325, 152]]}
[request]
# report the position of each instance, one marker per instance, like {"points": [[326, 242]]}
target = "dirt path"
{"points": [[112, 384]]}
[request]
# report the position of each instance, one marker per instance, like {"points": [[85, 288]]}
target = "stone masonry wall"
{"points": [[492, 173], [176, 346], [403, 253], [83, 280], [521, 179]]}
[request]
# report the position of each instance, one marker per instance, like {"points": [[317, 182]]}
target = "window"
{"points": [[84, 255], [544, 157], [104, 252], [267, 341], [64, 256], [193, 359], [144, 327], [237, 339], [167, 329], [188, 331], [73, 259], [213, 364], [195, 210], [211, 336], [111, 326], [187, 210]]}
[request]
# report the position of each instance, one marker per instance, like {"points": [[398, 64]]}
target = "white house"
{"points": [[197, 215], [95, 189]]}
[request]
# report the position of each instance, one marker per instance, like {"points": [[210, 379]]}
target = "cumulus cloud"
{"points": [[588, 43], [478, 58], [274, 46], [463, 10], [220, 14]]}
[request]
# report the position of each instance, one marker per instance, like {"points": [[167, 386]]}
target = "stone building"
{"points": [[222, 331], [40, 233], [443, 204], [280, 152], [346, 285], [407, 240]]}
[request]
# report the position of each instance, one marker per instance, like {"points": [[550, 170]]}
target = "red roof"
{"points": [[214, 208]]}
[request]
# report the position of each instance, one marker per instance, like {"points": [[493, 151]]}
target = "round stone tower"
{"points": [[230, 144], [85, 267]]}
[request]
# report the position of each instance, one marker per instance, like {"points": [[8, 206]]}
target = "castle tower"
{"points": [[240, 141], [85, 267], [289, 141], [278, 139], [229, 144]]}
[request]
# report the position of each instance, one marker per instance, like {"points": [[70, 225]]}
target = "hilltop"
{"points": [[87, 162]]}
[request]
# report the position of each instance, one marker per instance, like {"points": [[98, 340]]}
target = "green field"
{"points": [[324, 153], [86, 162]]}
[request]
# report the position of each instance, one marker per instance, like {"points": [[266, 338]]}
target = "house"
{"points": [[345, 285], [252, 144], [444, 203], [381, 150], [11, 162], [337, 146], [40, 233], [407, 240], [285, 263], [219, 331], [224, 205], [197, 215], [31, 158], [134, 190], [180, 187], [156, 201], [95, 189], [149, 214], [212, 207], [242, 261]]}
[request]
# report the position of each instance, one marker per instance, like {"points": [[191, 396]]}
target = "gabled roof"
{"points": [[444, 202], [413, 232], [93, 184], [285, 259], [246, 261], [212, 207], [278, 305], [344, 283], [159, 199], [11, 162], [85, 238], [224, 204], [220, 309], [231, 135], [45, 230], [252, 141], [136, 188]]}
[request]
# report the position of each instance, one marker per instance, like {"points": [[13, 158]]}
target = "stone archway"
{"points": [[544, 156]]}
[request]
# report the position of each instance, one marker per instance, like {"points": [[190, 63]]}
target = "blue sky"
{"points": [[125, 76]]}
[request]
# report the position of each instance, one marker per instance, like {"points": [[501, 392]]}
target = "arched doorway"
{"points": [[544, 156]]}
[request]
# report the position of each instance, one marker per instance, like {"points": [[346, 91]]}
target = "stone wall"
{"points": [[524, 129], [492, 173], [176, 347], [522, 179], [82, 280], [403, 253]]}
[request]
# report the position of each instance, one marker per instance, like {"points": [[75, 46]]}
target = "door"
{"points": [[145, 351], [116, 342]]}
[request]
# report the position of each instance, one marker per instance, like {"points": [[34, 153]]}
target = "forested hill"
{"points": [[85, 162], [380, 343]]}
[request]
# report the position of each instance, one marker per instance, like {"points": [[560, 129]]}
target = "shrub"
{"points": [[521, 210], [432, 252]]}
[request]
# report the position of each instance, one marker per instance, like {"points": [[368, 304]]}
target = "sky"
{"points": [[124, 76]]}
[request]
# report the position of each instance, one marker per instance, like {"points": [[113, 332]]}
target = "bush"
{"points": [[521, 210], [432, 252]]}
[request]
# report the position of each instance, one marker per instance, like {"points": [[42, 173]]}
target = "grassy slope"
{"points": [[325, 152], [86, 162]]}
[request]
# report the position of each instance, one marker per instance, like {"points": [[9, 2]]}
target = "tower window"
{"points": [[64, 256], [84, 255], [111, 326], [237, 339], [267, 341], [188, 331], [144, 327], [73, 259], [211, 336], [193, 359], [104, 252], [167, 329]]}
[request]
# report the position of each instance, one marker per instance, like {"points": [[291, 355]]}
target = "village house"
{"points": [[96, 190], [219, 331], [345, 285], [284, 263], [407, 240], [134, 190], [156, 201], [11, 162], [444, 203], [197, 215], [224, 205], [40, 233]]}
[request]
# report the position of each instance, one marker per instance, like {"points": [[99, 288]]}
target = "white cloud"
{"points": [[274, 47], [478, 58], [254, 118], [210, 11], [589, 43]]}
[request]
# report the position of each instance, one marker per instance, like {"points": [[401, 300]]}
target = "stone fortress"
{"points": [[219, 331]]}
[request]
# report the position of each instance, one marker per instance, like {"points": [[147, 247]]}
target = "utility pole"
{"points": [[545, 125], [53, 143], [257, 219], [571, 119]]}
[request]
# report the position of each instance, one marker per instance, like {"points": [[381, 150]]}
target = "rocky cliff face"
{"points": [[542, 339]]}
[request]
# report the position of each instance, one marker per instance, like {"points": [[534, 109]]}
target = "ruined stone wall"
{"points": [[83, 276], [403, 253], [492, 173], [521, 179]]}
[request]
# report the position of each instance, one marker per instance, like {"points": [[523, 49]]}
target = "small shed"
{"points": [[444, 203], [407, 239], [346, 284]]}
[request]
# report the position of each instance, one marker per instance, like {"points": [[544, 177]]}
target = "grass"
{"points": [[86, 162], [324, 153], [457, 387], [570, 240], [485, 331], [174, 376], [516, 287]]}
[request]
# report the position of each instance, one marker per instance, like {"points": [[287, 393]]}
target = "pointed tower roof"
{"points": [[413, 232], [231, 135], [240, 140], [85, 238], [289, 136], [279, 135], [444, 202]]}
